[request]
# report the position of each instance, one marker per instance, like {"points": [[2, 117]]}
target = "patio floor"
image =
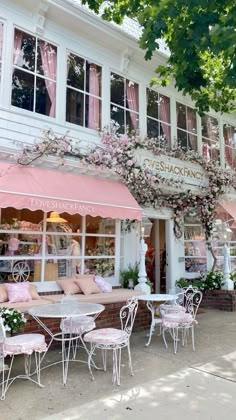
{"points": [[200, 384]]}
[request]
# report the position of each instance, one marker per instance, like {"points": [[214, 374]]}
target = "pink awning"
{"points": [[41, 189], [230, 207]]}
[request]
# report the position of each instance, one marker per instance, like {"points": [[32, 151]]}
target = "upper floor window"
{"points": [[1, 47], [83, 95], [210, 138], [124, 104], [158, 117], [34, 74], [186, 127], [230, 145]]}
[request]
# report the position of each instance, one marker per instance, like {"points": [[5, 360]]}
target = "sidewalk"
{"points": [[194, 385]]}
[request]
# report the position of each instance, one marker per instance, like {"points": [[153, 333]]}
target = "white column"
{"points": [[175, 267], [228, 283], [142, 275]]}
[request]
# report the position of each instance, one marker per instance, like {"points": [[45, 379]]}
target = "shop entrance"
{"points": [[156, 255]]}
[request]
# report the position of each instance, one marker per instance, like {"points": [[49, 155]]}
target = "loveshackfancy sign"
{"points": [[190, 173]]}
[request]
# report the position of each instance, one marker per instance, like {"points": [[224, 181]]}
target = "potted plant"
{"points": [[129, 276], [12, 319]]}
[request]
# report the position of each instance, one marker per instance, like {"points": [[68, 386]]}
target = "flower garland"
{"points": [[118, 152]]}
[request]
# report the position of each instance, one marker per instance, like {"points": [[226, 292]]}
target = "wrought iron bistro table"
{"points": [[62, 311], [151, 299]]}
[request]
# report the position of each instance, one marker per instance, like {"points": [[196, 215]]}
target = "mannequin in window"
{"points": [[74, 250], [13, 245]]}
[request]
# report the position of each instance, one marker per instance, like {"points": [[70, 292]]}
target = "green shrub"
{"points": [[212, 280]]}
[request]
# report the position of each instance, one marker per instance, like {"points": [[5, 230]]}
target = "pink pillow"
{"points": [[3, 293], [87, 284], [103, 285], [18, 292], [69, 286]]}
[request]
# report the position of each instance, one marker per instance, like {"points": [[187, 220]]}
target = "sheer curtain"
{"points": [[132, 101], [165, 117], [17, 46], [1, 39], [192, 126], [94, 103], [228, 152], [49, 63]]}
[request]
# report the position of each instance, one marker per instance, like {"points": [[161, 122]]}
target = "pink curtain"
{"points": [[192, 126], [1, 39], [94, 103], [17, 46], [165, 116], [228, 153], [49, 62], [132, 100], [206, 152]]}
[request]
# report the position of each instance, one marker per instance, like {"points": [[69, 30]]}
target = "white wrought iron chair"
{"points": [[114, 339], [25, 344], [77, 326], [182, 319]]}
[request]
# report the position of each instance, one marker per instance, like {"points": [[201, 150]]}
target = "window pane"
{"points": [[99, 246], [93, 108], [117, 89], [181, 116], [152, 104], [117, 118], [191, 120], [153, 128], [103, 266], [182, 139], [23, 90], [193, 265], [132, 96], [210, 128], [100, 225], [93, 79], [230, 135], [165, 133], [210, 150], [43, 102], [164, 109], [47, 59], [75, 107], [75, 67], [192, 142], [131, 121], [1, 39], [24, 50]]}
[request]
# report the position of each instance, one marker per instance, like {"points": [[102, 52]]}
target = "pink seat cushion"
{"points": [[24, 344], [106, 336], [18, 292], [78, 325], [103, 285], [174, 320]]}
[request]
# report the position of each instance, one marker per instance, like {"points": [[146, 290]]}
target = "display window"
{"points": [[36, 246]]}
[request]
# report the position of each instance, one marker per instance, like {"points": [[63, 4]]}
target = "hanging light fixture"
{"points": [[55, 218], [146, 227]]}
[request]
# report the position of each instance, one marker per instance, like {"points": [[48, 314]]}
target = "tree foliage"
{"points": [[201, 38]]}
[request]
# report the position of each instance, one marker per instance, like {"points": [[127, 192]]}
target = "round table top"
{"points": [[66, 309], [157, 297]]}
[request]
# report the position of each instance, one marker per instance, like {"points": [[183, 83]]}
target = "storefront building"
{"points": [[64, 69]]}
